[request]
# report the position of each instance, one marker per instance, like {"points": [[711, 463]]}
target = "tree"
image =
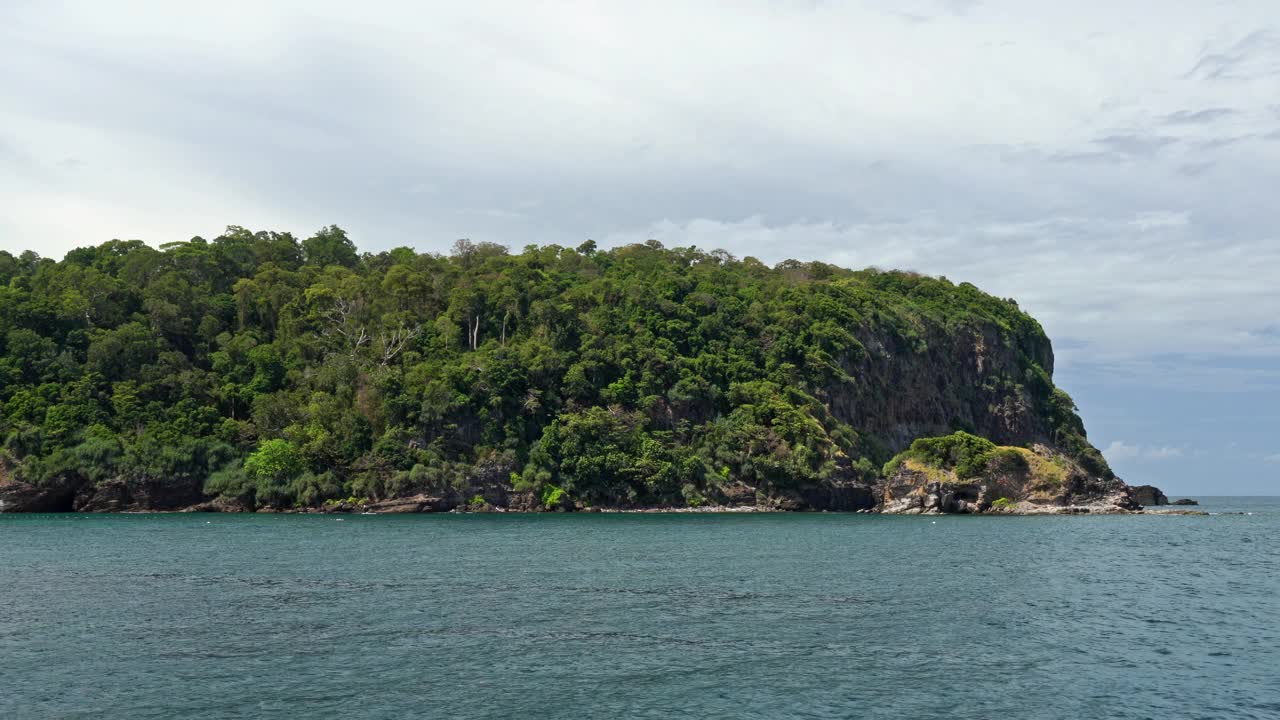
{"points": [[274, 460], [330, 246]]}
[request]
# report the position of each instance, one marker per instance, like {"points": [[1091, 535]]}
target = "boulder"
{"points": [[415, 504], [1148, 495], [217, 505]]}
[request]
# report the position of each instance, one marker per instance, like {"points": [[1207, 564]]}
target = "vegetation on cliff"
{"points": [[276, 372]]}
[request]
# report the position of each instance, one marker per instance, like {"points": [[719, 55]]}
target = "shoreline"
{"points": [[709, 510]]}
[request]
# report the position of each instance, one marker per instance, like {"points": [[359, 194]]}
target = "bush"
{"points": [[275, 460], [232, 483], [553, 497], [1000, 459], [959, 451]]}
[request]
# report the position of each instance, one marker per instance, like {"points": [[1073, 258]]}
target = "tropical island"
{"points": [[257, 372]]}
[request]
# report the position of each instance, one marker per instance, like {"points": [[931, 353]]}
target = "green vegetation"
{"points": [[966, 454], [285, 373], [961, 456], [1003, 503]]}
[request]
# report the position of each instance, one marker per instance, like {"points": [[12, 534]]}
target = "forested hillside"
{"points": [[268, 372]]}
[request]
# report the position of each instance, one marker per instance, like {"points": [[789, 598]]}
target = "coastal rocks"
{"points": [[415, 504], [1184, 501], [20, 497], [217, 505], [1033, 481], [109, 496], [1148, 495], [735, 494], [135, 494], [841, 497], [932, 498], [421, 503]]}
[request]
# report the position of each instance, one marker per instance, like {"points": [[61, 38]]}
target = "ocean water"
{"points": [[642, 616]]}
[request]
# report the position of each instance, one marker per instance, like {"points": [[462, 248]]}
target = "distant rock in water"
{"points": [[1184, 501], [1150, 496]]}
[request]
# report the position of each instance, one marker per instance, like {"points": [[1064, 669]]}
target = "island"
{"points": [[258, 372]]}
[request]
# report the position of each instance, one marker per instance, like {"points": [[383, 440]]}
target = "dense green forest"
{"points": [[282, 373]]}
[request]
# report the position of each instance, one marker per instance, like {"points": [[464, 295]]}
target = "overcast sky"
{"points": [[1114, 166]]}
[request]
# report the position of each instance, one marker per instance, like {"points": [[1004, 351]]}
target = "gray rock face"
{"points": [[1148, 495], [135, 494], [19, 497]]}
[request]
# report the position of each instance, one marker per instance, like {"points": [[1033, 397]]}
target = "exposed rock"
{"points": [[1184, 501], [1041, 482], [108, 496], [22, 497], [942, 385], [1148, 495], [135, 494], [217, 505], [522, 502], [842, 497], [733, 494], [415, 504]]}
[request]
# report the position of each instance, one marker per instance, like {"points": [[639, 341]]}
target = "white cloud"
{"points": [[1121, 451]]}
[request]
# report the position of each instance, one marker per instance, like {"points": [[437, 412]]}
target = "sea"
{"points": [[642, 616]]}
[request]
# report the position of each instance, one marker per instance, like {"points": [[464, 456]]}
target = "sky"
{"points": [[1113, 165]]}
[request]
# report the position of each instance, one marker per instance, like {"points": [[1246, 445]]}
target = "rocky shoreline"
{"points": [[1030, 481], [21, 498]]}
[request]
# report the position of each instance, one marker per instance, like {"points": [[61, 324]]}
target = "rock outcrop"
{"points": [[20, 497], [137, 495], [998, 479], [1148, 496]]}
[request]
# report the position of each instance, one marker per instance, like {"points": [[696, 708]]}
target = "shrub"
{"points": [[959, 451], [552, 496], [274, 460], [1000, 459]]}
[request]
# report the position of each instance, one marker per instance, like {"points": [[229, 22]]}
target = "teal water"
{"points": [[635, 616]]}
